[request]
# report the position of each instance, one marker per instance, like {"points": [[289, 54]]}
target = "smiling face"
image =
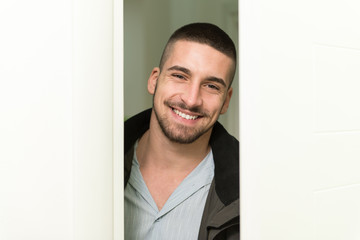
{"points": [[191, 91]]}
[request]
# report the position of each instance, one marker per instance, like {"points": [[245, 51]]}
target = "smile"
{"points": [[183, 115]]}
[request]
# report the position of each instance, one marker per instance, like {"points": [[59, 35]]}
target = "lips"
{"points": [[184, 115]]}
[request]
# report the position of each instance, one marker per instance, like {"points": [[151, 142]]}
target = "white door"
{"points": [[300, 119], [60, 174]]}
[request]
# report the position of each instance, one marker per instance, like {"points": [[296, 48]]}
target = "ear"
{"points": [[153, 80], [227, 101]]}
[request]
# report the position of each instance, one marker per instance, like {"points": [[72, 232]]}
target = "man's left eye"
{"points": [[211, 86]]}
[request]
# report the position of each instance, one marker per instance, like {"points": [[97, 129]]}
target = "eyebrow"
{"points": [[218, 80], [187, 71], [178, 68]]}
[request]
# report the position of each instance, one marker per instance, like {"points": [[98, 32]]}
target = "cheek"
{"points": [[161, 94], [170, 90], [221, 104], [214, 105]]}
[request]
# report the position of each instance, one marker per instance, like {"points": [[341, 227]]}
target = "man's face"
{"points": [[191, 91]]}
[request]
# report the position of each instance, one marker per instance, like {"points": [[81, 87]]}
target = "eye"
{"points": [[178, 76], [212, 86]]}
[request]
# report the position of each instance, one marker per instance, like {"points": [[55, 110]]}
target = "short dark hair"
{"points": [[205, 33]]}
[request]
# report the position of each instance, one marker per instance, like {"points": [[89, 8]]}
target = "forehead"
{"points": [[200, 58]]}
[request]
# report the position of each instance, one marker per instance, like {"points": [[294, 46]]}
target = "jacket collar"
{"points": [[225, 151]]}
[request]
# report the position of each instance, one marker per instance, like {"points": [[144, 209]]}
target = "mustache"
{"points": [[181, 105]]}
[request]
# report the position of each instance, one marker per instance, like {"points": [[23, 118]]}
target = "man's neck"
{"points": [[164, 164]]}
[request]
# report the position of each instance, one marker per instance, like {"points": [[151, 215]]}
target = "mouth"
{"points": [[184, 115]]}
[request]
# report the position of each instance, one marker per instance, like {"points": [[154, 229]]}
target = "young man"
{"points": [[181, 166]]}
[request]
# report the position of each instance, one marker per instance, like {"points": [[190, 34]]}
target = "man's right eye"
{"points": [[178, 76]]}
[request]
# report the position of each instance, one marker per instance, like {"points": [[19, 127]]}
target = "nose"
{"points": [[192, 95]]}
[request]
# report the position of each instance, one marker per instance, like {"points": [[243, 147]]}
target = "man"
{"points": [[181, 166]]}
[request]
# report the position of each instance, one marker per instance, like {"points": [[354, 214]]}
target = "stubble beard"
{"points": [[179, 133]]}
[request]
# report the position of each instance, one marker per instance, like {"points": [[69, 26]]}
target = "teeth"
{"points": [[183, 115]]}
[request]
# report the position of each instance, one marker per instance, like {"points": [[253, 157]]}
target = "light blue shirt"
{"points": [[180, 217]]}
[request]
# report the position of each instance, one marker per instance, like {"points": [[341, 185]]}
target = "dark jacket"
{"points": [[220, 219]]}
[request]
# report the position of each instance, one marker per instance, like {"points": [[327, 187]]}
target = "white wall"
{"points": [[93, 119], [56, 124], [300, 119], [36, 167]]}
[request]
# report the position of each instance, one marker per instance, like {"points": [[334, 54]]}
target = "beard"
{"points": [[179, 133]]}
